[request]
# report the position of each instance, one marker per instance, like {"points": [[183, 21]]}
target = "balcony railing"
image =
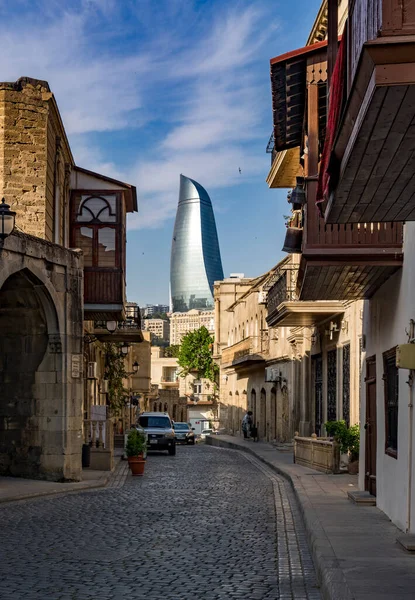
{"points": [[283, 290], [249, 349]]}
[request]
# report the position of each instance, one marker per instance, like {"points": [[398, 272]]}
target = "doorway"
{"points": [[370, 426], [317, 369]]}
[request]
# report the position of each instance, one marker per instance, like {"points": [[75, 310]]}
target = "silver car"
{"points": [[159, 429], [184, 433]]}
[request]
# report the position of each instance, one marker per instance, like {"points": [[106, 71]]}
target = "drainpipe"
{"points": [[410, 382]]}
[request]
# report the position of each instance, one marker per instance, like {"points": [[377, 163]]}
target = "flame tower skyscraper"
{"points": [[195, 256]]}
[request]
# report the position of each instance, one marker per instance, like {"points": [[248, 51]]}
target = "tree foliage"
{"points": [[172, 351], [115, 373], [196, 355]]}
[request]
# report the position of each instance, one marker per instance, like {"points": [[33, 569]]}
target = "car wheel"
{"points": [[172, 450]]}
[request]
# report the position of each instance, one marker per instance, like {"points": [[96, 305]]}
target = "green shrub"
{"points": [[136, 443], [347, 437]]}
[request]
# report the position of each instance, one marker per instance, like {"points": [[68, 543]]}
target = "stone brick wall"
{"points": [[33, 154]]}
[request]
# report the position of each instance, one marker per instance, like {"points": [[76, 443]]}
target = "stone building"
{"points": [[160, 329], [50, 296], [185, 322], [165, 378], [295, 364]]}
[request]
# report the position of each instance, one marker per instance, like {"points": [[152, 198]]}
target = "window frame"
{"points": [[388, 356], [96, 226]]}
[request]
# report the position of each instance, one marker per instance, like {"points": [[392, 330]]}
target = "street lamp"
{"points": [[124, 349], [7, 218], [136, 367], [111, 326]]}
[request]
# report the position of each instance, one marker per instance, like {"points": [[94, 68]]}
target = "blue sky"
{"points": [[149, 89]]}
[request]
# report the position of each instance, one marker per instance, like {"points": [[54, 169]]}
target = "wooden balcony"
{"points": [[375, 144], [104, 295], [249, 351], [346, 261]]}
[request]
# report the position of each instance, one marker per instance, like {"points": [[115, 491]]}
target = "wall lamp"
{"points": [[124, 349], [7, 220], [136, 368]]}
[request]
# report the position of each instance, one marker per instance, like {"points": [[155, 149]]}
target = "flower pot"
{"points": [[136, 464], [353, 467]]}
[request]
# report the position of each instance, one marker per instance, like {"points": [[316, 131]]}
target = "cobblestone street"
{"points": [[208, 523]]}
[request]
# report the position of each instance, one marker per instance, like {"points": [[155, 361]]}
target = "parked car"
{"points": [[207, 432], [184, 433], [159, 429]]}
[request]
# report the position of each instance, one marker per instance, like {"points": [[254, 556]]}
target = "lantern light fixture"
{"points": [[124, 349], [136, 367], [298, 196], [111, 326], [7, 220]]}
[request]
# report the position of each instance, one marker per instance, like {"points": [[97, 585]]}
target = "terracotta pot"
{"points": [[136, 464], [353, 467]]}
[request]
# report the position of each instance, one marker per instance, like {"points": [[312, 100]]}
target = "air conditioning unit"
{"points": [[262, 297], [272, 375], [92, 370], [104, 384]]}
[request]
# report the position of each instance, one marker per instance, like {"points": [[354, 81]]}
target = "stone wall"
{"points": [[41, 360], [34, 153]]}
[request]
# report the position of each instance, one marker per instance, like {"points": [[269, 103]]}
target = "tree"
{"points": [[115, 374], [196, 355], [172, 351]]}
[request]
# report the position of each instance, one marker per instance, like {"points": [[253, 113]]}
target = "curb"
{"points": [[55, 492], [333, 584]]}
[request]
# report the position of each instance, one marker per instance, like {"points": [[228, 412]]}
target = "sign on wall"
{"points": [[76, 367]]}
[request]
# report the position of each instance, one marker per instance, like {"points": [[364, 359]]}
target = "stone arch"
{"points": [[31, 374], [160, 407]]}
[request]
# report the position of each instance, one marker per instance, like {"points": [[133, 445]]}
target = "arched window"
{"points": [[96, 229]]}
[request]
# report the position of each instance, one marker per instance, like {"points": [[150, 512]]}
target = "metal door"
{"points": [[317, 362]]}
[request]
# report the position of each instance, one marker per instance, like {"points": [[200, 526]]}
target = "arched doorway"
{"points": [[262, 417], [31, 392], [273, 432], [252, 406]]}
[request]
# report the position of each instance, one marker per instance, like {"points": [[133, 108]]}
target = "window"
{"points": [[391, 387], [96, 228], [197, 386]]}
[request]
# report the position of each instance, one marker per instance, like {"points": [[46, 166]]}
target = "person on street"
{"points": [[247, 424]]}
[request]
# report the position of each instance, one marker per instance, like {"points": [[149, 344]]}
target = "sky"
{"points": [[149, 89]]}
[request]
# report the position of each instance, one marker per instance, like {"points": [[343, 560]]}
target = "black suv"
{"points": [[159, 429]]}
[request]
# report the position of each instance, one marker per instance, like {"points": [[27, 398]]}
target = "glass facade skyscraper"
{"points": [[195, 256]]}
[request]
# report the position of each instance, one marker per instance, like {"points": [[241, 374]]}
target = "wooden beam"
{"points": [[332, 46]]}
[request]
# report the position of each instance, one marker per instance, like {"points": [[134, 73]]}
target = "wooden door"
{"points": [[370, 426]]}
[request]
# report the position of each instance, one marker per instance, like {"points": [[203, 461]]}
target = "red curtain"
{"points": [[337, 85]]}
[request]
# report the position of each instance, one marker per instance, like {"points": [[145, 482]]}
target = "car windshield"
{"points": [[181, 427], [207, 431], [161, 421]]}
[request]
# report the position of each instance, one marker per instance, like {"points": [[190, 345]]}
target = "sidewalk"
{"points": [[17, 488], [354, 547]]}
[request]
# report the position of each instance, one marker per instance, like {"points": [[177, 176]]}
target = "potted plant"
{"points": [[135, 450], [349, 440], [353, 445]]}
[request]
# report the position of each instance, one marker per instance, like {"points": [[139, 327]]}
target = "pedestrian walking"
{"points": [[247, 424]]}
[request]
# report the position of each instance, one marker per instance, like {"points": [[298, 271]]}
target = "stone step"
{"points": [[407, 541], [359, 497]]}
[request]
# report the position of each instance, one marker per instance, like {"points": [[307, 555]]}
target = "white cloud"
{"points": [[195, 77]]}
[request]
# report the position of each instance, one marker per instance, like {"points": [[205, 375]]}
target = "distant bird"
{"points": [[240, 170]]}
